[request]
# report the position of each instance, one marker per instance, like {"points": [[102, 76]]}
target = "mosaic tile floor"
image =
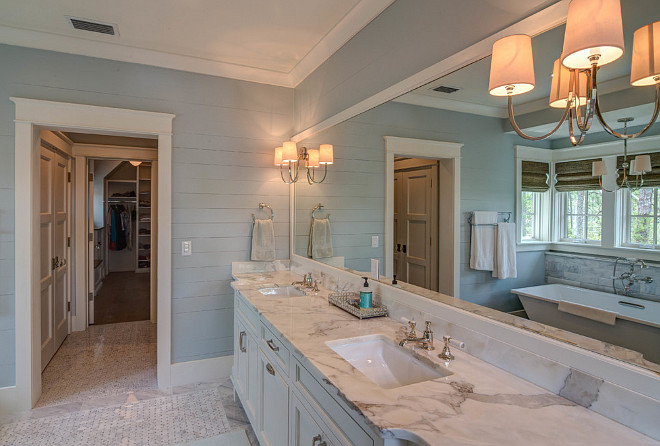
{"points": [[100, 389]]}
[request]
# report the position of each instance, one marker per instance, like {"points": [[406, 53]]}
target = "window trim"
{"points": [[625, 223], [561, 210], [524, 153]]}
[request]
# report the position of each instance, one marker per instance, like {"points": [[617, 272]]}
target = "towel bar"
{"points": [[264, 205]]}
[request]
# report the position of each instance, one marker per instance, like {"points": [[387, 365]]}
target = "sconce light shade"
{"points": [[289, 152], [135, 163], [642, 163], [278, 157], [326, 155], [313, 158], [512, 65], [561, 78], [645, 68], [592, 28], [598, 168]]}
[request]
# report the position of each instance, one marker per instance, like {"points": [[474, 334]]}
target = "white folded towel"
{"points": [[482, 249], [320, 239], [505, 264], [263, 240], [595, 314]]}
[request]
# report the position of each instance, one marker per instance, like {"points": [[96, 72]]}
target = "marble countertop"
{"points": [[478, 404]]}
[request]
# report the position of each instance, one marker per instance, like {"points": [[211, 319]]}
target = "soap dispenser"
{"points": [[366, 295]]}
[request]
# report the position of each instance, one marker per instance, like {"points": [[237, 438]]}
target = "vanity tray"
{"points": [[350, 302]]}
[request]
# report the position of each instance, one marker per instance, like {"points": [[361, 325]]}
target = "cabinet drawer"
{"points": [[347, 430], [248, 312], [275, 348]]}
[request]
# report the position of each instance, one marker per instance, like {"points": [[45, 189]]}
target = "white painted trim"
{"points": [[421, 148], [544, 20], [352, 22], [115, 152], [202, 371], [31, 117]]}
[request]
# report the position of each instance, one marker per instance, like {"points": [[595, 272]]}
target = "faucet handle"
{"points": [[446, 352], [428, 327], [412, 333]]}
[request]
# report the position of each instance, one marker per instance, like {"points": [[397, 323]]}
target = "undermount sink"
{"points": [[281, 291], [385, 363]]}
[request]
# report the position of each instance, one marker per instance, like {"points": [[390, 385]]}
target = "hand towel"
{"points": [[595, 314], [482, 249], [505, 264], [263, 240], [320, 239]]}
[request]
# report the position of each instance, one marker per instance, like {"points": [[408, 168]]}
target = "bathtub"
{"points": [[624, 321]]}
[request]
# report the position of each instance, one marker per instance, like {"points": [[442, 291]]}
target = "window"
{"points": [[582, 216], [530, 216], [640, 225]]}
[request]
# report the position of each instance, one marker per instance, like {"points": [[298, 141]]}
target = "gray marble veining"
{"points": [[479, 403]]}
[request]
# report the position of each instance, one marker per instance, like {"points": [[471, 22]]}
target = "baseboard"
{"points": [[203, 370], [10, 401]]}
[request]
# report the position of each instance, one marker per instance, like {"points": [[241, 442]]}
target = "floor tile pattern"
{"points": [[104, 360]]}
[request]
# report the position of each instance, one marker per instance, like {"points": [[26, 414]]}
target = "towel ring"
{"points": [[264, 205], [318, 207]]}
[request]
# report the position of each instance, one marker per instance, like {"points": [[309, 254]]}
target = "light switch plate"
{"points": [[186, 248], [374, 241]]}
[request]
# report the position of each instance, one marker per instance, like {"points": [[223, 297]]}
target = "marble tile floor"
{"points": [[100, 389]]}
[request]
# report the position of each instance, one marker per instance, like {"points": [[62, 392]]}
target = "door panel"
{"points": [[399, 236], [274, 404], [53, 253]]}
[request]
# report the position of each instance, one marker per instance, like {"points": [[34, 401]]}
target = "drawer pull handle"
{"points": [[240, 341], [319, 439], [272, 345], [270, 369]]}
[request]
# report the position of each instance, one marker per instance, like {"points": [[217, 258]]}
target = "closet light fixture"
{"points": [[593, 37], [636, 167], [289, 157], [135, 163]]}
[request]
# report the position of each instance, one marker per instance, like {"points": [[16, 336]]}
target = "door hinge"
{"points": [[68, 177], [90, 296], [91, 237], [91, 177], [68, 307], [68, 242]]}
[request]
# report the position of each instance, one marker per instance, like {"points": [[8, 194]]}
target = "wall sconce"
{"points": [[288, 156], [593, 38]]}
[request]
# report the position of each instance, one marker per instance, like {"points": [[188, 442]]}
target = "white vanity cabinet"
{"points": [[285, 403]]}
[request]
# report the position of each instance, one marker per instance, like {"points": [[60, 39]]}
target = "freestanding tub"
{"points": [[620, 320]]}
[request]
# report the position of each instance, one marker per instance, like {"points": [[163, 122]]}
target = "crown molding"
{"points": [[352, 22]]}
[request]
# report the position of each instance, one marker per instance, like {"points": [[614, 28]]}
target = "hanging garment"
{"points": [[120, 235]]}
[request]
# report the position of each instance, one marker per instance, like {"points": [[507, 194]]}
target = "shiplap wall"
{"points": [[356, 185], [224, 134]]}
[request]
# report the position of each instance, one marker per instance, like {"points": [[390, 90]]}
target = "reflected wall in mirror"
{"points": [[572, 236]]}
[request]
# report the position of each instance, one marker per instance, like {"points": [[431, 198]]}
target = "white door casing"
{"points": [[31, 116]]}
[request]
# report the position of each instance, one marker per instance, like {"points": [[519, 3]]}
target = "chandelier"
{"points": [[593, 38], [289, 157]]}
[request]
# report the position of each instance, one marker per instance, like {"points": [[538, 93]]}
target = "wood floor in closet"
{"points": [[124, 297]]}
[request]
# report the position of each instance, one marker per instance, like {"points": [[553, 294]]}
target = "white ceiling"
{"points": [[278, 42], [472, 80]]}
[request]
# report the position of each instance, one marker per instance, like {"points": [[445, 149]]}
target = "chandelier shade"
{"points": [[560, 87], [289, 152], [326, 154], [593, 28], [512, 66], [313, 159], [645, 68]]}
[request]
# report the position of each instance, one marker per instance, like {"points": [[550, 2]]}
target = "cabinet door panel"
{"points": [[305, 431], [240, 357], [274, 405]]}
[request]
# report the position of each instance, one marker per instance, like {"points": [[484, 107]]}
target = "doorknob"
{"points": [[55, 262], [398, 247], [404, 249]]}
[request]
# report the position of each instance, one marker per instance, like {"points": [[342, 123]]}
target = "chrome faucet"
{"points": [[426, 340], [629, 278]]}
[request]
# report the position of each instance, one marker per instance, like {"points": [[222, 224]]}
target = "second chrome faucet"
{"points": [[425, 341]]}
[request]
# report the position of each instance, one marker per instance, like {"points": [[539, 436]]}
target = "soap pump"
{"points": [[366, 295], [394, 282]]}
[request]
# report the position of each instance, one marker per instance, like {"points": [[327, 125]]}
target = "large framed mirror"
{"points": [[409, 173]]}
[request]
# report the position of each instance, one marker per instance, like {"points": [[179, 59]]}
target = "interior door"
{"points": [[91, 280], [397, 266], [417, 226], [54, 248]]}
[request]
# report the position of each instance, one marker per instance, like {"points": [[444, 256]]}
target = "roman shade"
{"points": [[575, 175], [652, 178], [535, 176]]}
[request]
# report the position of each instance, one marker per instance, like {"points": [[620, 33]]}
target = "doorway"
{"points": [[31, 117], [431, 224]]}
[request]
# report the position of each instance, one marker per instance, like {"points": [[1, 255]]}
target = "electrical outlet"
{"points": [[374, 241], [186, 248]]}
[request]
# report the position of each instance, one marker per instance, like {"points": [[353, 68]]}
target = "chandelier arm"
{"points": [[522, 134], [600, 183], [575, 141], [592, 93], [282, 174], [616, 134], [312, 180]]}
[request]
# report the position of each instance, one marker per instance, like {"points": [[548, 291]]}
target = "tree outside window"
{"points": [[643, 223], [583, 215]]}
